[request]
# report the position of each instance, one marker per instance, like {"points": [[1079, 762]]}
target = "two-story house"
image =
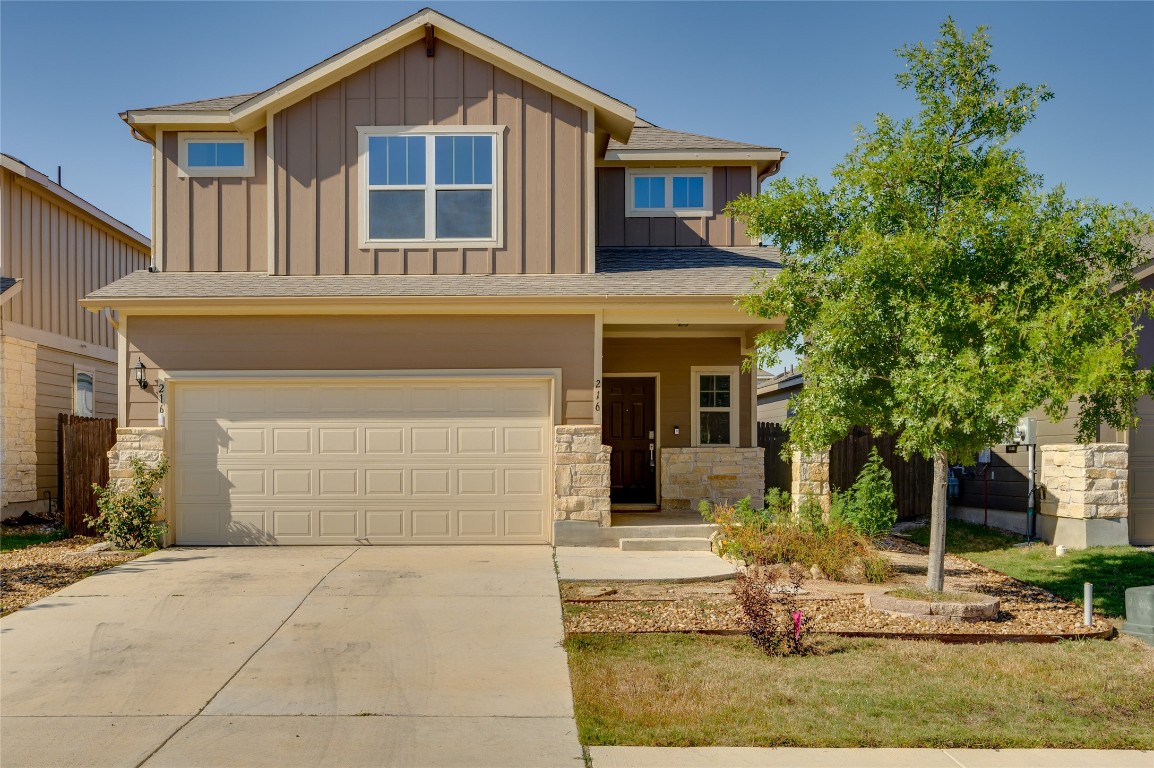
{"points": [[433, 290], [55, 358]]}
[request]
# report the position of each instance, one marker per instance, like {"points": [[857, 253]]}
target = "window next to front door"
{"points": [[715, 406]]}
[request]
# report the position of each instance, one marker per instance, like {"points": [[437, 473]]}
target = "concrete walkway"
{"points": [[752, 757], [610, 564], [295, 656]]}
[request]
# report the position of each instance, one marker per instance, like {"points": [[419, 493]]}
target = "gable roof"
{"points": [[652, 144], [622, 273], [613, 116], [22, 169]]}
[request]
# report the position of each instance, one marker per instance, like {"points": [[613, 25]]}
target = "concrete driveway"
{"points": [[306, 656]]}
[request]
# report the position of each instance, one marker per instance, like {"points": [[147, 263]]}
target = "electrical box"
{"points": [[1026, 432], [984, 456]]}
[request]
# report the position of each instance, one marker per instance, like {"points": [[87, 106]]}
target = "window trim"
{"points": [[77, 370], [184, 172], [734, 409], [365, 132], [706, 208]]}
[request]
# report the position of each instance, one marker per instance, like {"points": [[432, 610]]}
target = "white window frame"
{"points": [[184, 139], [430, 187], [732, 371], [76, 371], [706, 208]]}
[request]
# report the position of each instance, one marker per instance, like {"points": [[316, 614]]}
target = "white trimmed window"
{"points": [[668, 192], [434, 184], [84, 392], [715, 398], [215, 154]]}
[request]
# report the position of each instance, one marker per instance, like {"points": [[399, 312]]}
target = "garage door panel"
{"points": [[397, 462]]}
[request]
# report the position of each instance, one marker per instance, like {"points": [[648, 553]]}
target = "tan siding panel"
{"points": [[739, 181], [447, 86], [301, 188], [417, 82], [611, 206], [536, 219], [568, 228], [205, 224], [510, 260], [717, 228], [366, 343], [256, 190], [331, 214], [177, 213], [673, 358], [357, 110]]}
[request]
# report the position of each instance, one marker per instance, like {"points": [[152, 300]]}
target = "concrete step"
{"points": [[662, 531], [665, 545]]}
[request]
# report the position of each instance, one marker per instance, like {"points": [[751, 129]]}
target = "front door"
{"points": [[629, 428]]}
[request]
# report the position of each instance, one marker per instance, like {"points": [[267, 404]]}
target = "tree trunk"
{"points": [[935, 578]]}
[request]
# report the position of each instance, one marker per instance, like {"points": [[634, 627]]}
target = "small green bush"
{"points": [[868, 506], [778, 535], [128, 518]]}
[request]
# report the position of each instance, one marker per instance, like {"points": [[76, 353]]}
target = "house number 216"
{"points": [[597, 395]]}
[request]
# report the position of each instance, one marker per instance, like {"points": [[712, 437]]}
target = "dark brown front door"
{"points": [[630, 425]]}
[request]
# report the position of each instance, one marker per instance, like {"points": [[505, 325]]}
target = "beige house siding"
{"points": [[615, 229], [359, 343], [55, 394], [774, 408], [315, 143], [214, 224], [673, 358], [62, 254]]}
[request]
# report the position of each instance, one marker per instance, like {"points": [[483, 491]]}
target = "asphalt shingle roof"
{"points": [[6, 283], [622, 272], [204, 105], [648, 136]]}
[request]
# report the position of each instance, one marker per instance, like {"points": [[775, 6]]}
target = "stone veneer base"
{"points": [[713, 472], [1080, 533]]}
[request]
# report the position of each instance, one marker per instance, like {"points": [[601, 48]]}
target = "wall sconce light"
{"points": [[141, 377]]}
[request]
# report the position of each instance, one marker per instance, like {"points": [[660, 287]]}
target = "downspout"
{"points": [[107, 314], [141, 137]]}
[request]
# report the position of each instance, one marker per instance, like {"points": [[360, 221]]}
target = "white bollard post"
{"points": [[1088, 604]]}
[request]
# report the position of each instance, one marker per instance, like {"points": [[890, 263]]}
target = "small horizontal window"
{"points": [[209, 154], [674, 192]]}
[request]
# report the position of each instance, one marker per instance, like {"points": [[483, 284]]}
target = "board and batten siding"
{"points": [[673, 359], [614, 228], [366, 343], [315, 142], [55, 394], [62, 254], [213, 224]]}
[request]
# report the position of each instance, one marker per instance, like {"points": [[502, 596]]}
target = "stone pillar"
{"points": [[714, 472], [810, 478], [144, 443], [581, 474], [17, 423], [1085, 502]]}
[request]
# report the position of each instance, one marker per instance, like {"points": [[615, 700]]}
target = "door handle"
{"points": [[652, 456]]}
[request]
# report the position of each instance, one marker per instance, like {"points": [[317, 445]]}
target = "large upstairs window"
{"points": [[434, 184]]}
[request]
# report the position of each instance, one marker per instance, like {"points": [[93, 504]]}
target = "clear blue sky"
{"points": [[794, 75]]}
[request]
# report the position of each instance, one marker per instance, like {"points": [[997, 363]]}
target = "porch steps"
{"points": [[652, 544]]}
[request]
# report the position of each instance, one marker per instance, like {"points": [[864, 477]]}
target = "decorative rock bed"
{"points": [[977, 607]]}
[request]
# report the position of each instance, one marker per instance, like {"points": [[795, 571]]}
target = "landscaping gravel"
{"points": [[831, 606], [35, 572]]}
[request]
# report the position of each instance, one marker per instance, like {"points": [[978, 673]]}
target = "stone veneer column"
{"points": [[810, 478], [1086, 498], [17, 421], [581, 474], [714, 472]]}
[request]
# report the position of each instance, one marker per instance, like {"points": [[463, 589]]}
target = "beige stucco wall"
{"points": [[365, 343]]}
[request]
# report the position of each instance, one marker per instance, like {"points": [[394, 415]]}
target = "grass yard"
{"points": [[1110, 569], [14, 541], [701, 690]]}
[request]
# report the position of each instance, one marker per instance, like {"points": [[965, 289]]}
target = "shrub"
{"points": [[768, 597], [777, 535], [128, 518], [868, 506]]}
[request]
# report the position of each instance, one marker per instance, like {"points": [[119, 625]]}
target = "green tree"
{"points": [[937, 292]]}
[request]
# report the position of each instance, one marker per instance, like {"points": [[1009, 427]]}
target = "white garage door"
{"points": [[375, 462]]}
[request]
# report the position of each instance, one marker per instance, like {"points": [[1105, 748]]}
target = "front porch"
{"points": [[630, 531]]}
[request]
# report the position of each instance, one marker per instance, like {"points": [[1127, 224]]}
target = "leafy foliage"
{"points": [[128, 518], [869, 506], [779, 535], [768, 598], [937, 292]]}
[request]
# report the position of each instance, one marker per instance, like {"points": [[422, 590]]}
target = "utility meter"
{"points": [[1026, 432]]}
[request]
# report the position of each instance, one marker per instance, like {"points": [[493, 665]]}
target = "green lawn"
{"points": [[11, 541], [1110, 569], [699, 690]]}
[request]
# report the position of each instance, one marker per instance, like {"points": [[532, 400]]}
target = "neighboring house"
{"points": [[773, 394], [431, 290], [54, 357]]}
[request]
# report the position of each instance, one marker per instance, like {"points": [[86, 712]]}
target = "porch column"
{"points": [[1086, 498], [810, 478], [581, 474]]}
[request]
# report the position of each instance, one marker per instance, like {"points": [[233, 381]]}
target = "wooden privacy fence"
{"points": [[84, 445], [913, 479], [778, 471]]}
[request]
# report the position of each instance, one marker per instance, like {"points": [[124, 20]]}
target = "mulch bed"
{"points": [[35, 572], [1026, 611]]}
